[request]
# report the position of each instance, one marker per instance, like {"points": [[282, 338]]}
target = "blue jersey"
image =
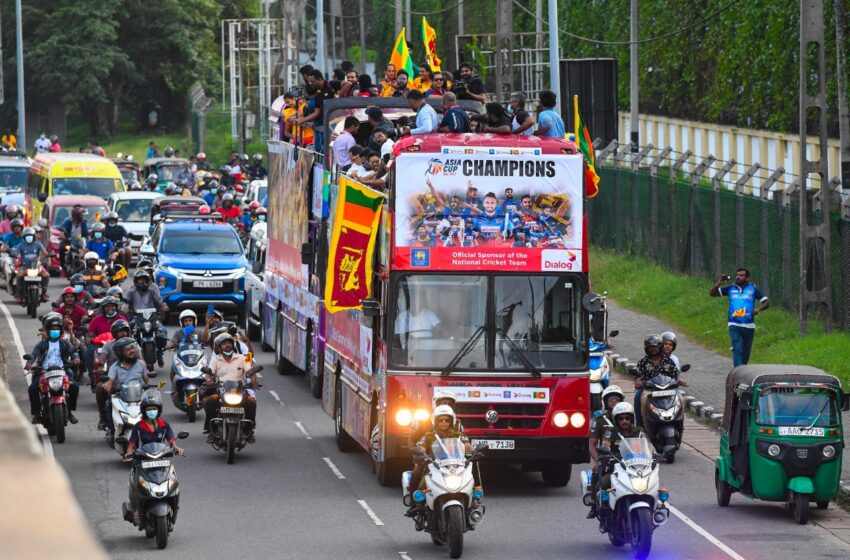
{"points": [[491, 226], [12, 240], [29, 251], [741, 303], [553, 123], [102, 247]]}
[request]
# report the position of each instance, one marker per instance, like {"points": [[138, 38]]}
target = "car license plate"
{"points": [[667, 393], [155, 464], [794, 431], [495, 443], [208, 283], [231, 410]]}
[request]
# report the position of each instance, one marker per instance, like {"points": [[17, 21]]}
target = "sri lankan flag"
{"points": [[355, 227], [401, 56], [585, 148], [429, 39]]}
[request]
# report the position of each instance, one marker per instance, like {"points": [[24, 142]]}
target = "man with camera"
{"points": [[742, 312], [468, 86]]}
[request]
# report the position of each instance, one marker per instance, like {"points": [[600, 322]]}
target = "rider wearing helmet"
{"points": [[257, 171], [31, 250], [654, 363], [201, 162], [210, 191], [261, 213], [668, 346], [228, 210], [419, 428], [168, 152], [76, 230], [145, 295], [105, 355], [188, 319], [116, 233], [98, 242], [127, 367], [14, 237], [212, 328], [152, 181], [78, 283], [624, 427], [92, 273], [228, 365], [611, 397], [12, 212], [70, 307], [52, 351]]}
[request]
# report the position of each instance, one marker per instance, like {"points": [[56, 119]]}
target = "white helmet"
{"points": [[623, 408], [91, 255], [441, 395], [613, 390], [444, 410], [188, 313]]}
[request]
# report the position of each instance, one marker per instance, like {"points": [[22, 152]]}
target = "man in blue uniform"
{"points": [[742, 312]]}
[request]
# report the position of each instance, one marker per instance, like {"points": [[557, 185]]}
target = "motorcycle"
{"points": [[146, 331], [600, 371], [73, 262], [663, 413], [634, 506], [451, 503], [31, 290], [126, 413], [155, 480], [7, 272], [230, 428], [53, 390], [189, 361]]}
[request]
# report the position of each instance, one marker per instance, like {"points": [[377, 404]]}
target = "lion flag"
{"points": [[429, 38]]}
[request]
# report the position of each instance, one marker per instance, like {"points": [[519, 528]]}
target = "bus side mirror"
{"points": [[42, 196], [306, 253], [370, 307]]}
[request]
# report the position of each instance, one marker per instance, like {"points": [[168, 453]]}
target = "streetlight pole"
{"points": [[554, 57], [634, 125], [22, 111]]}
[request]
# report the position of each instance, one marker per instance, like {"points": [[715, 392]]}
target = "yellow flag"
{"points": [[429, 38]]}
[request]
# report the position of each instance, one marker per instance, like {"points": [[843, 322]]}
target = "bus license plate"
{"points": [[155, 464], [230, 410], [208, 283], [794, 431], [495, 443]]}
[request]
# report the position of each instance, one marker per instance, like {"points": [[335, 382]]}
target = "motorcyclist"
{"points": [[141, 296], [12, 213], [227, 365], [15, 236], [93, 273], [98, 241], [151, 182], [78, 283], [99, 325], [187, 318], [611, 397], [76, 230], [211, 191], [52, 351], [257, 171], [624, 427], [444, 422], [116, 233], [126, 368], [202, 163], [31, 250], [261, 213], [228, 210], [668, 346], [418, 429], [213, 328], [249, 216], [227, 178], [654, 363], [70, 307]]}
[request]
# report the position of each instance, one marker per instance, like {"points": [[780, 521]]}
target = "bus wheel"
{"points": [[557, 473]]}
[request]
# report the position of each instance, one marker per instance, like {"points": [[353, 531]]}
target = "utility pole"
{"points": [[460, 26], [333, 50], [320, 35], [22, 110], [554, 56], [538, 44], [398, 20], [633, 81], [362, 37], [843, 111], [504, 42], [407, 19]]}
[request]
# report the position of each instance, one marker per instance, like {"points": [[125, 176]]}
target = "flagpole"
{"points": [[554, 57]]}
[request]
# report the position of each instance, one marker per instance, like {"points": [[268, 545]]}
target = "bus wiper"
{"points": [[518, 353], [464, 350]]}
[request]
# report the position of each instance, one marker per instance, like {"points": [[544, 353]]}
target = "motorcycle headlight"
{"points": [[55, 383], [232, 398], [32, 272], [453, 482], [639, 483], [596, 374]]}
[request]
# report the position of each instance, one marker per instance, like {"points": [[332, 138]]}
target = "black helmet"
{"points": [[77, 279], [671, 336], [117, 326], [52, 320], [140, 274], [29, 231], [144, 263], [109, 216], [650, 341], [17, 222], [116, 292], [212, 184], [121, 345], [151, 398], [108, 300]]}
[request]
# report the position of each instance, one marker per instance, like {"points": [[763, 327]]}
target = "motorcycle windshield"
{"points": [[448, 450], [636, 452], [131, 391], [662, 382], [595, 362], [154, 450], [190, 354]]}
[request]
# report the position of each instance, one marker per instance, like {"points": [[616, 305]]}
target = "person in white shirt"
{"points": [[42, 144], [357, 169], [384, 142], [427, 120], [668, 346]]}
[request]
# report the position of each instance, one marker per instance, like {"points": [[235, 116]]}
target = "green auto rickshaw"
{"points": [[781, 438]]}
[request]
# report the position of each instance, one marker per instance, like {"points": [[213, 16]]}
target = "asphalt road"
{"points": [[294, 495]]}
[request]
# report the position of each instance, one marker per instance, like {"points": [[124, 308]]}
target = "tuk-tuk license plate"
{"points": [[667, 393], [794, 431], [208, 284], [495, 443], [155, 464], [230, 410]]}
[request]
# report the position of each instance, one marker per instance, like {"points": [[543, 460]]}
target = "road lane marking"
{"points": [[708, 536], [303, 431], [275, 396], [404, 555], [370, 513], [15, 336], [333, 468]]}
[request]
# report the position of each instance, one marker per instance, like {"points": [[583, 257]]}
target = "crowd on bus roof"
{"points": [[363, 149]]}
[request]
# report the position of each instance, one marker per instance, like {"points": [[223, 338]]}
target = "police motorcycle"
{"points": [[663, 413], [634, 505], [187, 373], [452, 502], [230, 429]]}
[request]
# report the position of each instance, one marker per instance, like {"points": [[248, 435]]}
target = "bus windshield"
{"points": [[13, 179], [94, 186]]}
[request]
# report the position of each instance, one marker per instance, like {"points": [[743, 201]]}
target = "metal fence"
{"points": [[705, 223]]}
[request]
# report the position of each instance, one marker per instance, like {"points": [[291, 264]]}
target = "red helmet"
{"points": [[69, 290], [261, 211], [254, 205], [205, 210]]}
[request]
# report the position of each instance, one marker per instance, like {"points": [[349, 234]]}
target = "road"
{"points": [[294, 495]]}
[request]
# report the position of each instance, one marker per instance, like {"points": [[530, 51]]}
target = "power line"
{"points": [[648, 40], [388, 9]]}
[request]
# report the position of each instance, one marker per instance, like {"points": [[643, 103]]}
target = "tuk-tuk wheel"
{"points": [[801, 508], [824, 504], [724, 491]]}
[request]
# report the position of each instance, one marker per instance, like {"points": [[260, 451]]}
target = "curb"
{"points": [[706, 414]]}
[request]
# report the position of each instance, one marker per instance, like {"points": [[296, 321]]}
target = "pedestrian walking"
{"points": [[742, 295]]}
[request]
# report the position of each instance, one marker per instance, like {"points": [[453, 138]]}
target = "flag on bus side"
{"points": [[585, 147], [401, 56], [355, 227], [429, 38]]}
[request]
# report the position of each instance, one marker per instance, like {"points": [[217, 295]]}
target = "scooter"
{"points": [[634, 506], [663, 413], [187, 376], [230, 428], [155, 480], [600, 371], [53, 390], [451, 503], [126, 413]]}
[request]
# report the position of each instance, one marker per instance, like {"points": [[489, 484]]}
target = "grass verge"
{"points": [[683, 302]]}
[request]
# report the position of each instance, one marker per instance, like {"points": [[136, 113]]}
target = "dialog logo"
{"points": [[560, 260]]}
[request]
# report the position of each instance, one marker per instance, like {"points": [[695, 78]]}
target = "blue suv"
{"points": [[199, 263]]}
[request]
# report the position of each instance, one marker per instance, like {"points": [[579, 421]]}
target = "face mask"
{"points": [[227, 352], [97, 235], [213, 191], [111, 315], [152, 414], [29, 238], [261, 217], [510, 110], [78, 288], [54, 334]]}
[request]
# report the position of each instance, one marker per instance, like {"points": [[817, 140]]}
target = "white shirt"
{"points": [[361, 171], [675, 359], [42, 144], [419, 326], [53, 357], [426, 120], [387, 148]]}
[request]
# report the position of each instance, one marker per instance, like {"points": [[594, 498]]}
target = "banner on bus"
{"points": [[355, 227], [480, 209]]}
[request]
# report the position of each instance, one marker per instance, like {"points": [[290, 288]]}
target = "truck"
{"points": [[477, 278]]}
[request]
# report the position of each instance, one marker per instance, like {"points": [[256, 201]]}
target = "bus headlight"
{"points": [[422, 415], [561, 419], [577, 420], [403, 417]]}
